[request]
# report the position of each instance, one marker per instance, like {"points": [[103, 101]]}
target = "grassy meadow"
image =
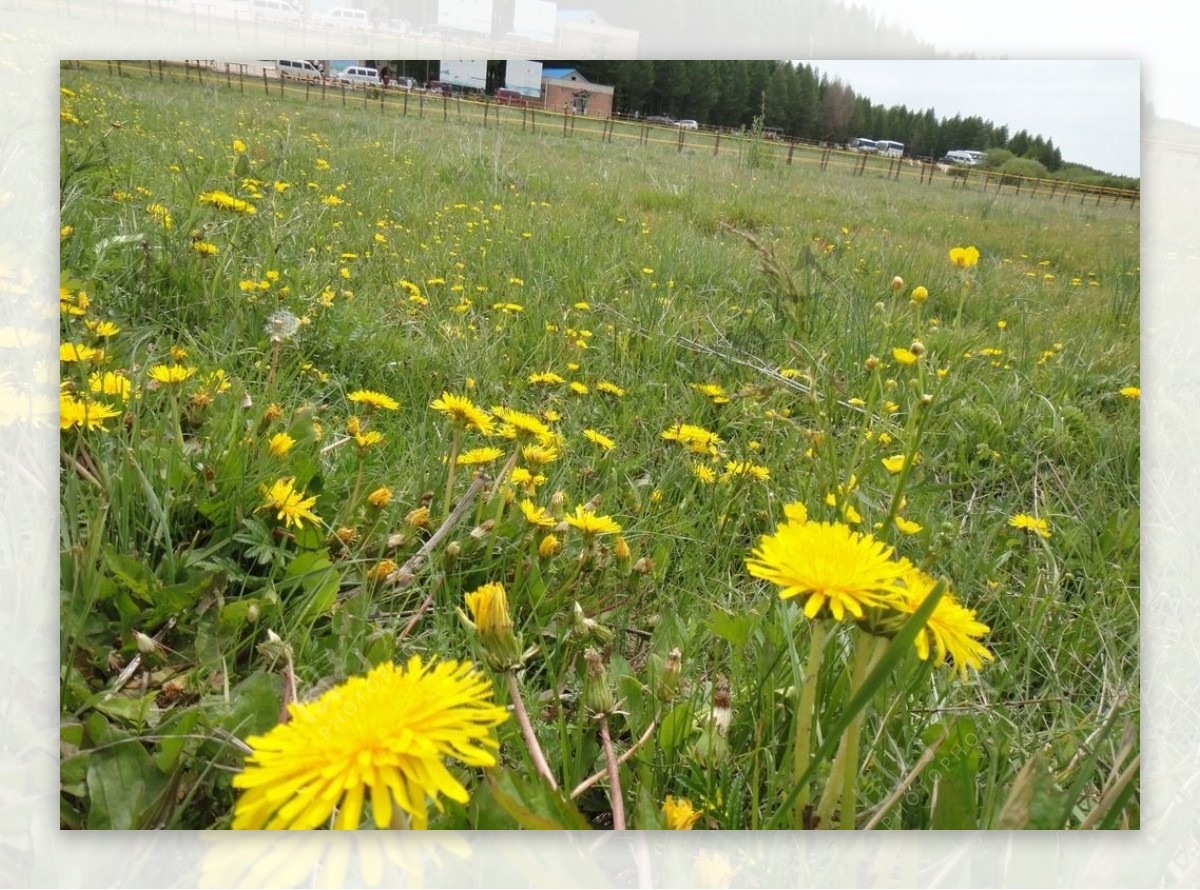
{"points": [[681, 490]]}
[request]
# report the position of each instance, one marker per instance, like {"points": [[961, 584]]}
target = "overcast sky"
{"points": [[1091, 109]]}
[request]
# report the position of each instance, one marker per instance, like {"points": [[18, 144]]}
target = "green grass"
{"points": [[409, 284]]}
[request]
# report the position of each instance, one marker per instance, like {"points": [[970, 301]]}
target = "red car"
{"points": [[510, 97]]}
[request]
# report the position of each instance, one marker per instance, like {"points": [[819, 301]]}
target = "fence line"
{"points": [[489, 114]]}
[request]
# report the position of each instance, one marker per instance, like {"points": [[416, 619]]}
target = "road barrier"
{"points": [[392, 100]]}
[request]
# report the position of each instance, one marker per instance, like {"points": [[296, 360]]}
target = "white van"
{"points": [[964, 158], [300, 69], [275, 11], [889, 149], [356, 75], [345, 17]]}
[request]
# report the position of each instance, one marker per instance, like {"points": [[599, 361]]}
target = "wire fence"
{"points": [[243, 78]]}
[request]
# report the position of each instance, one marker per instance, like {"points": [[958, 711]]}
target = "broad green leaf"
{"points": [[736, 629], [174, 740], [676, 728], [122, 782], [136, 577], [255, 705], [955, 770], [533, 803]]}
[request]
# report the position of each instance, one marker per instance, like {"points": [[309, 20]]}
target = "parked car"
{"points": [[280, 11], [510, 97], [687, 125], [345, 17], [301, 69], [358, 75], [659, 119], [440, 87]]}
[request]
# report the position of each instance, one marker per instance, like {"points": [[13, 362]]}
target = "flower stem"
{"points": [[531, 742], [614, 776], [450, 467], [843, 775], [805, 714]]}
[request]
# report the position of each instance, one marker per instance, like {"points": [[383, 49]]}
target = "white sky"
{"points": [[1158, 33], [1091, 109]]}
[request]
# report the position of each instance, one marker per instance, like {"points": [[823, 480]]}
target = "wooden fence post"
{"points": [[717, 144]]}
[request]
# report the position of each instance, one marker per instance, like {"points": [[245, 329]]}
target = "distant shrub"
{"points": [[1022, 168]]}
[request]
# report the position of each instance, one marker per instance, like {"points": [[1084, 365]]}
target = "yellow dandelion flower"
{"points": [[79, 352], [171, 374], [225, 201], [903, 356], [704, 473], [590, 524], [830, 565], [539, 517], [1131, 392], [374, 399], [477, 456], [679, 814], [380, 572], [795, 512], [964, 257], [735, 469], [110, 383], [952, 631], [907, 526], [380, 497], [695, 439], [463, 413], [547, 378], [281, 444], [407, 722], [539, 455], [600, 439], [1039, 527], [714, 391], [919, 294], [519, 425], [288, 504], [83, 414], [549, 546]]}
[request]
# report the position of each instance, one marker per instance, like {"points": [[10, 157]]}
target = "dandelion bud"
{"points": [[557, 500], [589, 629], [597, 696], [879, 307], [252, 612], [453, 549], [919, 294], [417, 518], [489, 610], [872, 363], [926, 401], [549, 546], [644, 566], [621, 549], [917, 347], [483, 529], [668, 683], [897, 283]]}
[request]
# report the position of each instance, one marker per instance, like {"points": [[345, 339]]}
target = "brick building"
{"points": [[566, 90]]}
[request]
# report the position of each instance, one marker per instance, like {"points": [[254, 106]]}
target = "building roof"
{"points": [[561, 73]]}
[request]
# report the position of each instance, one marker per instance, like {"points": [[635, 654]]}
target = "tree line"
{"points": [[803, 103]]}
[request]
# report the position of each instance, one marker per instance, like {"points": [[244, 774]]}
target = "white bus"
{"points": [[889, 149]]}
